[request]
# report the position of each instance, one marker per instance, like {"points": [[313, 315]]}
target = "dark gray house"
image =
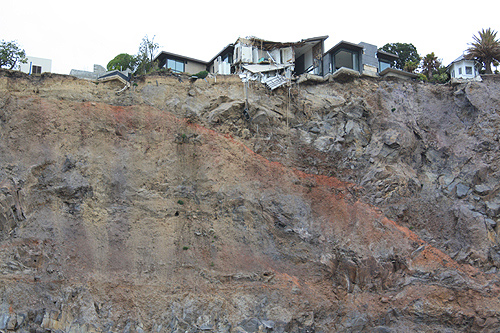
{"points": [[363, 58]]}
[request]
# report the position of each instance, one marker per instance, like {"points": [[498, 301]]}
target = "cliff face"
{"points": [[344, 206]]}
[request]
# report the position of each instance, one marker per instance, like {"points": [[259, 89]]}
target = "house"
{"points": [[221, 63], [273, 63], [295, 57], [357, 59], [298, 57], [462, 69], [180, 64], [36, 65]]}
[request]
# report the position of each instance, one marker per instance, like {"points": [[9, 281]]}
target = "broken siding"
{"points": [[318, 58], [275, 55], [253, 51], [287, 55]]}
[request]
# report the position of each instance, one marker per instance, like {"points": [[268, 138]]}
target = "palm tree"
{"points": [[485, 48], [430, 65]]}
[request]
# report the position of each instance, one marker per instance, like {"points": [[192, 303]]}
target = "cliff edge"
{"points": [[342, 206]]}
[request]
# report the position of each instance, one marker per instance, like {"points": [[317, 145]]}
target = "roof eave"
{"points": [[180, 56], [343, 42]]}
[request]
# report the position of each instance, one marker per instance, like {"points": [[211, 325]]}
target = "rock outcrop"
{"points": [[364, 205]]}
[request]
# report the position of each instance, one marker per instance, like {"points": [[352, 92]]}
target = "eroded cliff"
{"points": [[342, 206]]}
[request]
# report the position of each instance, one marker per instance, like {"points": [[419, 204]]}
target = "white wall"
{"points": [[461, 65], [46, 64]]}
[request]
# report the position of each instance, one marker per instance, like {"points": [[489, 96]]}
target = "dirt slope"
{"points": [[165, 210]]}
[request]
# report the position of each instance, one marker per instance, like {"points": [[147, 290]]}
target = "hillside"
{"points": [[366, 205]]}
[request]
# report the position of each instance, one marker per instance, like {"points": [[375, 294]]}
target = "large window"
{"points": [[468, 70], [346, 58], [175, 65], [383, 64]]}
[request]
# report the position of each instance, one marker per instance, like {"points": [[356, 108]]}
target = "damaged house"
{"points": [[276, 63], [272, 63]]}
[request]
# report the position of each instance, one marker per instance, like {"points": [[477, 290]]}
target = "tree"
{"points": [[410, 66], [441, 76], [121, 62], [11, 54], [430, 65], [485, 48], [146, 55], [406, 52]]}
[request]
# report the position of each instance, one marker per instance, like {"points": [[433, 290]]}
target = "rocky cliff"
{"points": [[355, 205]]}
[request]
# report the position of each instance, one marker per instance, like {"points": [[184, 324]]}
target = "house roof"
{"points": [[164, 54], [387, 55], [398, 72], [270, 45], [313, 39], [228, 46], [345, 45], [462, 57], [114, 73]]}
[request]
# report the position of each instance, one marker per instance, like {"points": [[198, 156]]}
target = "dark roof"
{"points": [[228, 46], [387, 55], [312, 39], [115, 72], [345, 45], [164, 54]]}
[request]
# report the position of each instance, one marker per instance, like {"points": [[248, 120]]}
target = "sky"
{"points": [[79, 34]]}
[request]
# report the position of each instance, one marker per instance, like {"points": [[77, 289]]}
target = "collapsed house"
{"points": [[100, 74], [274, 63]]}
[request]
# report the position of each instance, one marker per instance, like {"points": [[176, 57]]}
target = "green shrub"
{"points": [[185, 248], [422, 77], [201, 75], [180, 202], [440, 78]]}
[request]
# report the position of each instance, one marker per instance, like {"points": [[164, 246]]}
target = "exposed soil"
{"points": [[368, 205]]}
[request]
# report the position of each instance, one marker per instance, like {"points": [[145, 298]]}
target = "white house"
{"points": [[36, 65], [462, 69]]}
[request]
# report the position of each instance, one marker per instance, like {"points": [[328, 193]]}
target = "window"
{"points": [[36, 69], [459, 70], [228, 58], [382, 64], [468, 70], [346, 58], [175, 65]]}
